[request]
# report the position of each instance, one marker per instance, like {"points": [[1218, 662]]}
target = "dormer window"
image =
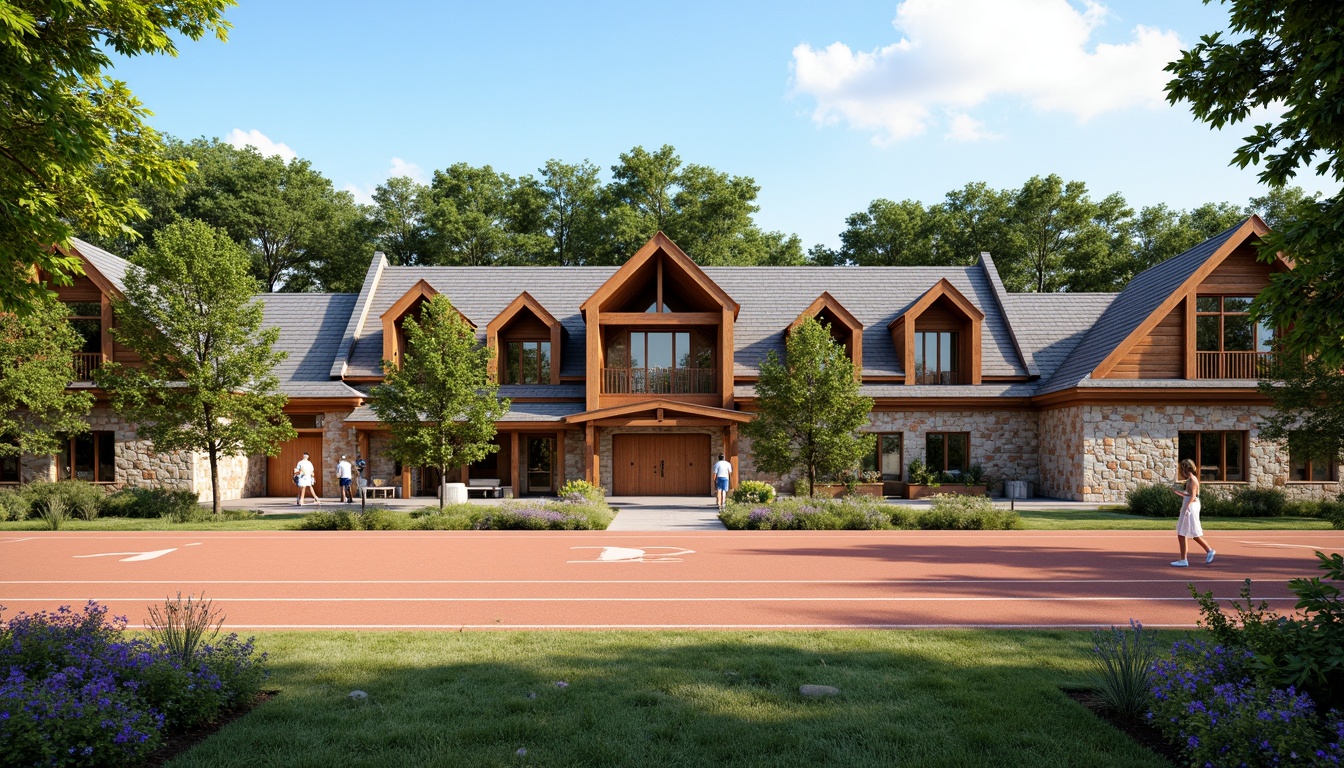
{"points": [[937, 337], [844, 328], [936, 357], [527, 362], [526, 340]]}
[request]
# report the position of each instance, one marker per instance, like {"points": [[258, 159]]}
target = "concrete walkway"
{"points": [[664, 513]]}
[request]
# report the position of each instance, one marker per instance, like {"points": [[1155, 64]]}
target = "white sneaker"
{"points": [[1181, 563], [1209, 557]]}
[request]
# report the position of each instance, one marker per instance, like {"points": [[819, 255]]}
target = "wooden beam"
{"points": [[664, 318], [730, 448], [589, 453], [405, 481], [726, 359], [559, 458], [647, 421], [593, 390], [1191, 358], [514, 460]]}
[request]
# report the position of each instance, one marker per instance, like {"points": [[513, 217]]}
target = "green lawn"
{"points": [[1070, 519], [267, 523], [945, 698]]}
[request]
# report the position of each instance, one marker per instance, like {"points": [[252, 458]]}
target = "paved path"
{"points": [[594, 579]]}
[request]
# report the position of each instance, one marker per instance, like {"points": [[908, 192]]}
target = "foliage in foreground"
{"points": [[527, 515], [1123, 669], [77, 692], [1157, 500], [858, 513]]}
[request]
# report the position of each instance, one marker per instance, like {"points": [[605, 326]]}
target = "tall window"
{"points": [[1219, 455], [89, 456], [1223, 324], [1318, 469], [86, 317], [527, 362], [935, 357], [947, 451], [660, 362], [886, 457]]}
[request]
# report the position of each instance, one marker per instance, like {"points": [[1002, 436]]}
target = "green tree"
{"points": [[1050, 219], [469, 216], [441, 405], [36, 359], [972, 220], [1308, 415], [573, 211], [1284, 55], [1277, 203], [206, 382], [73, 143], [810, 410], [890, 234], [400, 222]]}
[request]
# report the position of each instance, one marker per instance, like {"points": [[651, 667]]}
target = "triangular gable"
{"points": [[668, 406], [903, 329], [421, 291], [656, 244], [828, 303], [106, 284], [1251, 227], [525, 302], [941, 289]]}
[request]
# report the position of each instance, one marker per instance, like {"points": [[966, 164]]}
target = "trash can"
{"points": [[454, 493], [1016, 489]]}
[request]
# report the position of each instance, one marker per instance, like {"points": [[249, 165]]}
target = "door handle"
{"points": [[662, 469]]}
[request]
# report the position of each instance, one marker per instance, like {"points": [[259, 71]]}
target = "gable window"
{"points": [[886, 457], [660, 362], [936, 357], [86, 318], [1220, 456], [1312, 469], [88, 456], [527, 362], [1227, 343], [947, 451]]}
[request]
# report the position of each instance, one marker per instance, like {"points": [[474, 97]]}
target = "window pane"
{"points": [[1235, 458], [616, 352], [956, 453], [683, 349], [529, 363], [869, 461], [1210, 455], [1187, 446], [891, 457], [933, 451], [544, 360], [107, 466], [919, 356], [636, 350], [1207, 304], [511, 363], [930, 352], [1297, 468], [1264, 336], [945, 351], [84, 456], [1237, 333], [1320, 470], [1206, 333], [1237, 303], [9, 469], [659, 350]]}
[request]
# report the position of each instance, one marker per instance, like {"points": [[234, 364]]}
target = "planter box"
{"points": [[836, 490], [913, 491]]}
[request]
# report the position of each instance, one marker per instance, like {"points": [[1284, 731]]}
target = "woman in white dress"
{"points": [[303, 478], [1187, 526]]}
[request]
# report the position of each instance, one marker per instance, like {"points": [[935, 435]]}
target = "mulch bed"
{"points": [[176, 745], [1139, 731]]}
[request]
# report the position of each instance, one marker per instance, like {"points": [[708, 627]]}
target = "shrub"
{"points": [[371, 519], [79, 497], [182, 625], [12, 505], [1260, 502], [1155, 500], [53, 512], [178, 506], [1123, 668], [855, 514], [1214, 503], [754, 492], [543, 516], [952, 512], [919, 474], [1335, 515], [582, 490]]}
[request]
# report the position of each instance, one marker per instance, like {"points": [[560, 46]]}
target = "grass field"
{"points": [[947, 698]]}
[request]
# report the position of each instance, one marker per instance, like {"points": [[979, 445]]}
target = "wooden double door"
{"points": [[280, 469], [660, 465]]}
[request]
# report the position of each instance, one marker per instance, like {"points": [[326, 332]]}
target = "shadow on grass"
{"points": [[672, 699]]}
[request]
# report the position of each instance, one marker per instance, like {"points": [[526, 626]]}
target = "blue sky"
{"points": [[826, 105]]}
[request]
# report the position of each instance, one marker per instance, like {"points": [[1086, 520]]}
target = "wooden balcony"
{"points": [[1233, 365], [659, 381], [85, 364]]}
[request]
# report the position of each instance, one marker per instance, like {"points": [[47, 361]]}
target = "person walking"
{"points": [[722, 471], [344, 475], [1187, 525], [303, 477]]}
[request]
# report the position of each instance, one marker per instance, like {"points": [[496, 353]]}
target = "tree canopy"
{"points": [[74, 144], [810, 412], [36, 362], [206, 382]]}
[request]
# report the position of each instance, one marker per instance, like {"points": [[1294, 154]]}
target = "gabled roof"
{"points": [[669, 406], [660, 243], [108, 270], [355, 327], [940, 290], [311, 326], [1145, 301], [1001, 300]]}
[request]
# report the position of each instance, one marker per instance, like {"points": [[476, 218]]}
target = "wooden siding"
{"points": [[941, 317], [82, 289], [1159, 355], [660, 465], [1240, 274]]}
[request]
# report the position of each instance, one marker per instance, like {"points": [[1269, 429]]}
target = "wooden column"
{"points": [[405, 481], [559, 458], [463, 474], [1191, 364], [730, 448], [515, 463], [590, 453]]}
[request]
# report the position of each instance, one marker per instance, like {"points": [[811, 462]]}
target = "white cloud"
{"points": [[954, 55], [403, 168], [363, 195], [263, 143]]}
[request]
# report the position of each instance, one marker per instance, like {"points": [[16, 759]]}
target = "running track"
{"points": [[582, 580]]}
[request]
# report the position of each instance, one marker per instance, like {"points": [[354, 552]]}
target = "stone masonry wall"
{"points": [[572, 452], [1061, 441]]}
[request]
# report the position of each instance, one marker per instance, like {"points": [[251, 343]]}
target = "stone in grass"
{"points": [[818, 691], [358, 696]]}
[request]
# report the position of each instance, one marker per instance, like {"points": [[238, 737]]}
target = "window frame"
{"points": [[924, 373], [877, 454], [1222, 459], [1308, 465], [67, 458], [942, 467], [543, 371], [1258, 344]]}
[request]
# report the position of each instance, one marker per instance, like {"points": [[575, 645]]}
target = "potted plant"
{"points": [[924, 482]]}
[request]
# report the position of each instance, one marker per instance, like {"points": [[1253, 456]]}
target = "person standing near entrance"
{"points": [[343, 474], [1187, 526], [303, 477], [722, 472]]}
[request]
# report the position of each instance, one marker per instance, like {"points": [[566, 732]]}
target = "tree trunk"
{"points": [[213, 451], [811, 480], [443, 486]]}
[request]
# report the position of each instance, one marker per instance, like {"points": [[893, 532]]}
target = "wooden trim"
{"points": [[730, 448], [595, 360], [405, 480], [659, 242], [903, 330], [942, 288], [649, 406], [633, 421], [493, 328], [1252, 227], [633, 319], [515, 461], [828, 302], [322, 404], [726, 332], [1191, 364], [90, 271], [105, 320], [1151, 396], [590, 451], [422, 290]]}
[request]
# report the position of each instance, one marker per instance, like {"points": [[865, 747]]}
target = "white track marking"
{"points": [[16, 541], [1285, 546], [632, 555], [136, 557]]}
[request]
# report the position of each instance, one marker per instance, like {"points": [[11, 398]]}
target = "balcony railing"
{"points": [[659, 381], [86, 363], [1234, 365]]}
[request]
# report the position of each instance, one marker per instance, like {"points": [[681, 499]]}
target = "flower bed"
{"points": [[866, 514], [913, 491], [77, 692]]}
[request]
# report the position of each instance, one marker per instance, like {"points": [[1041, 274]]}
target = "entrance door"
{"points": [[540, 459], [660, 465], [280, 469]]}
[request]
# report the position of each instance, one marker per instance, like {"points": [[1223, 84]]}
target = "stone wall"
{"points": [[238, 476], [1061, 440], [572, 452], [138, 464]]}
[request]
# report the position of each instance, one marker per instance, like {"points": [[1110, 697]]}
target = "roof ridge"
{"points": [[362, 304], [986, 263]]}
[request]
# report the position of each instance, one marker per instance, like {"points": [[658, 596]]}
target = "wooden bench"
{"points": [[381, 491], [488, 487]]}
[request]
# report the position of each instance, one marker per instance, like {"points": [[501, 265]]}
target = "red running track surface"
{"points": [[600, 579]]}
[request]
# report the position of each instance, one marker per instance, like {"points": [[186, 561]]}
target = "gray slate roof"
{"points": [[111, 266], [311, 326], [518, 412], [1135, 303], [1050, 325]]}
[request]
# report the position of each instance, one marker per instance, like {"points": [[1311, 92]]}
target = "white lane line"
{"points": [[965, 599], [16, 541], [1285, 546], [929, 582]]}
